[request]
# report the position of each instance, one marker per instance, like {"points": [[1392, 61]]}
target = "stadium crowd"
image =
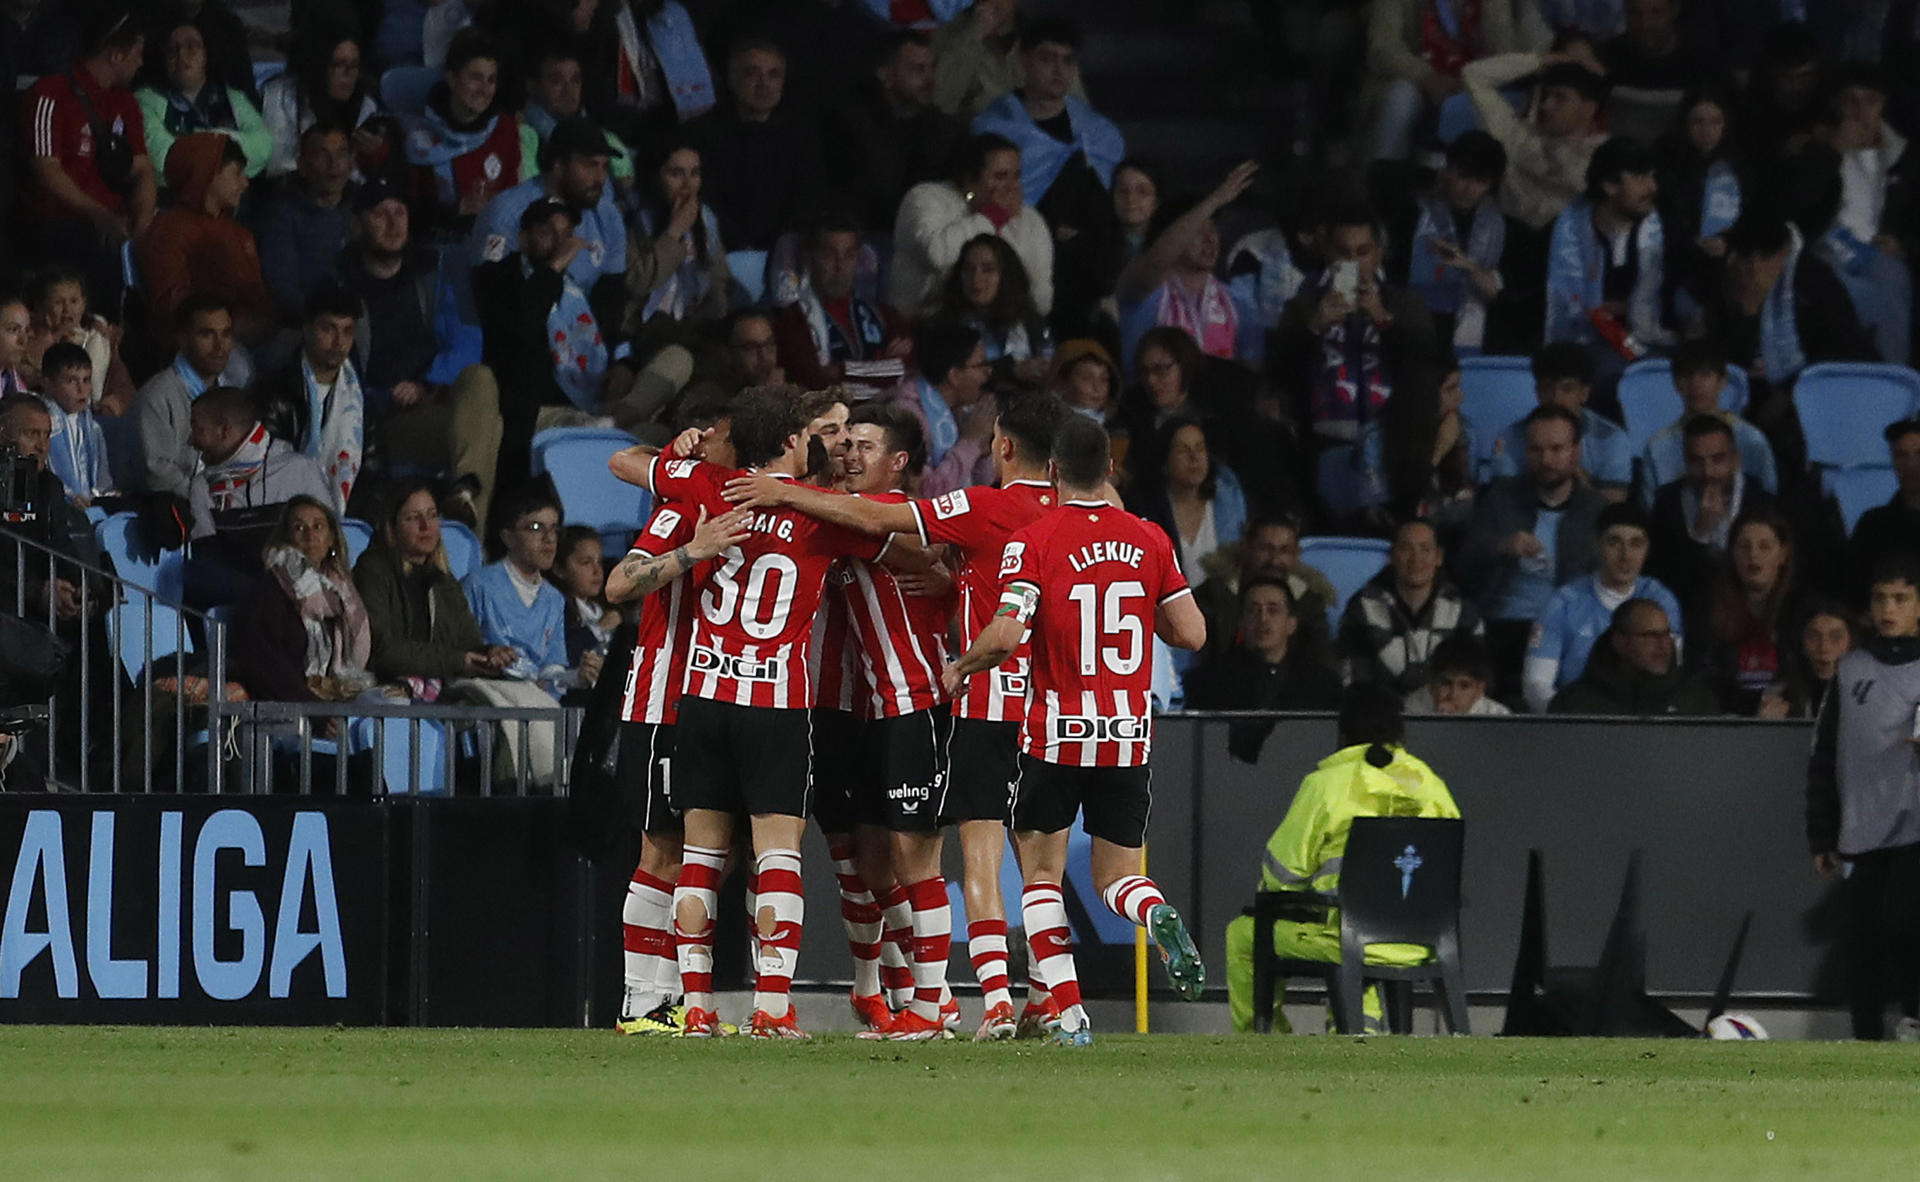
{"points": [[255, 300]]}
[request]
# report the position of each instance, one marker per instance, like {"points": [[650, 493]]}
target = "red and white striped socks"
{"points": [[932, 943], [1132, 897], [652, 975], [699, 884], [860, 915], [780, 909], [896, 947], [1050, 944], [987, 949]]}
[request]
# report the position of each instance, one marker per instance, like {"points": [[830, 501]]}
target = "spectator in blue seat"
{"points": [[463, 148], [1581, 611], [517, 608], [1606, 262], [304, 635], [164, 462], [580, 572], [1393, 624], [1452, 238], [424, 634], [1530, 534], [1700, 377], [77, 449], [1892, 528], [1563, 376], [1872, 234], [1702, 192], [1691, 522]]}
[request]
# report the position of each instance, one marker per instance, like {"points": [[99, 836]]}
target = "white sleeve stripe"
{"points": [[1170, 596], [43, 126], [886, 544], [919, 523]]}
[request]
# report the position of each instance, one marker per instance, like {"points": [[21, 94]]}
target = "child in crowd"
{"points": [[1457, 678], [1700, 378], [77, 449], [581, 574], [57, 299], [517, 607]]}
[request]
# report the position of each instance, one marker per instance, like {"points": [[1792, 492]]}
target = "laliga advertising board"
{"points": [[183, 910]]}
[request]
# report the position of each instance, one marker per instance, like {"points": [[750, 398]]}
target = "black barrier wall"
{"points": [[287, 910]]}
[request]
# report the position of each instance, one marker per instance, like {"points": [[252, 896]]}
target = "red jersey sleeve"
{"points": [[47, 119], [957, 518], [1173, 581], [694, 482], [847, 543], [670, 527], [1019, 562]]}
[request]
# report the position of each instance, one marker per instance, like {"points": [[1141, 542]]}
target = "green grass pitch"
{"points": [[144, 1103]]}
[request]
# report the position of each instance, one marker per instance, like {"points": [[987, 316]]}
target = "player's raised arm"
{"points": [[635, 464], [856, 513], [642, 574], [1178, 621]]}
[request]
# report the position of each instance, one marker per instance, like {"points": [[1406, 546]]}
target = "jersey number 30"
{"points": [[764, 612], [1116, 623]]}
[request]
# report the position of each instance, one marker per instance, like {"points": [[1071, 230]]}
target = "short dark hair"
{"points": [[902, 430], [972, 157], [333, 298], [943, 345], [1699, 356], [22, 401], [231, 405], [833, 221], [570, 537], [1613, 160], [1048, 30], [1622, 617], [1408, 523], [1479, 156], [740, 315], [1082, 452], [62, 356], [1177, 343], [1351, 213], [702, 408], [1279, 584], [1900, 429], [110, 27], [1700, 426], [755, 45], [1620, 513], [553, 50], [764, 419], [1577, 78], [312, 131], [1896, 568], [1553, 413], [1031, 418], [468, 46], [895, 40], [1561, 360], [1758, 234], [525, 500], [197, 304], [1460, 654]]}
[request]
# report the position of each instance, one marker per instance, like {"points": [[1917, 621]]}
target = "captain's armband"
{"points": [[1019, 600]]}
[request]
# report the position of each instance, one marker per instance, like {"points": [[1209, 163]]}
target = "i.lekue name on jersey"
{"points": [[1095, 552], [184, 935]]}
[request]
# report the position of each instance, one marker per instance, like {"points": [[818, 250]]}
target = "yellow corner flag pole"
{"points": [[1140, 966]]}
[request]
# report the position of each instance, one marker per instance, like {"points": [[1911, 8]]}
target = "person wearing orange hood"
{"points": [[196, 246]]}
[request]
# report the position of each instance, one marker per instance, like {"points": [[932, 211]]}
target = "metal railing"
{"points": [[379, 747]]}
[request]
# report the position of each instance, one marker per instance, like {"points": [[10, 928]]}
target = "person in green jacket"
{"points": [[184, 97], [422, 627], [1371, 775]]}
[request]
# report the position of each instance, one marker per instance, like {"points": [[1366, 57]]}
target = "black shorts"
{"points": [[646, 776], [846, 789], [1113, 802], [750, 760], [981, 770], [912, 750]]}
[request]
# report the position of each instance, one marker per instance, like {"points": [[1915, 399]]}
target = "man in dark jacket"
{"points": [[1395, 622], [1530, 533], [891, 137], [761, 161], [1892, 528], [302, 230], [1863, 802], [1264, 671], [1634, 672], [1692, 519]]}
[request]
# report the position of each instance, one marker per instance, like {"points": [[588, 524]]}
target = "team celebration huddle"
{"points": [[816, 641]]}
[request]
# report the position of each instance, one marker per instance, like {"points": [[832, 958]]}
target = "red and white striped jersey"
{"points": [[665, 637], [1095, 576], [978, 522], [756, 611], [902, 639], [832, 657]]}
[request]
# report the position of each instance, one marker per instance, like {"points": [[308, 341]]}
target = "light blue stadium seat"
{"points": [[265, 72], [1457, 117], [1649, 403], [749, 270], [464, 555], [404, 89], [1347, 562], [1496, 393], [1845, 407], [619, 440], [1859, 489], [593, 496], [358, 535], [138, 638]]}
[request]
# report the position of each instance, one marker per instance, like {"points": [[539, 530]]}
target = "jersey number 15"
{"points": [[1116, 623]]}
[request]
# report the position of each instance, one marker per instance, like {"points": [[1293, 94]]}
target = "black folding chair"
{"points": [[1399, 884]]}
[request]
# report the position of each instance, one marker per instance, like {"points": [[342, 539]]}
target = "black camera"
{"points": [[19, 486]]}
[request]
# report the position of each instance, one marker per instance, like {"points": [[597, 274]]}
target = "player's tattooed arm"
{"points": [[641, 574], [635, 464]]}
